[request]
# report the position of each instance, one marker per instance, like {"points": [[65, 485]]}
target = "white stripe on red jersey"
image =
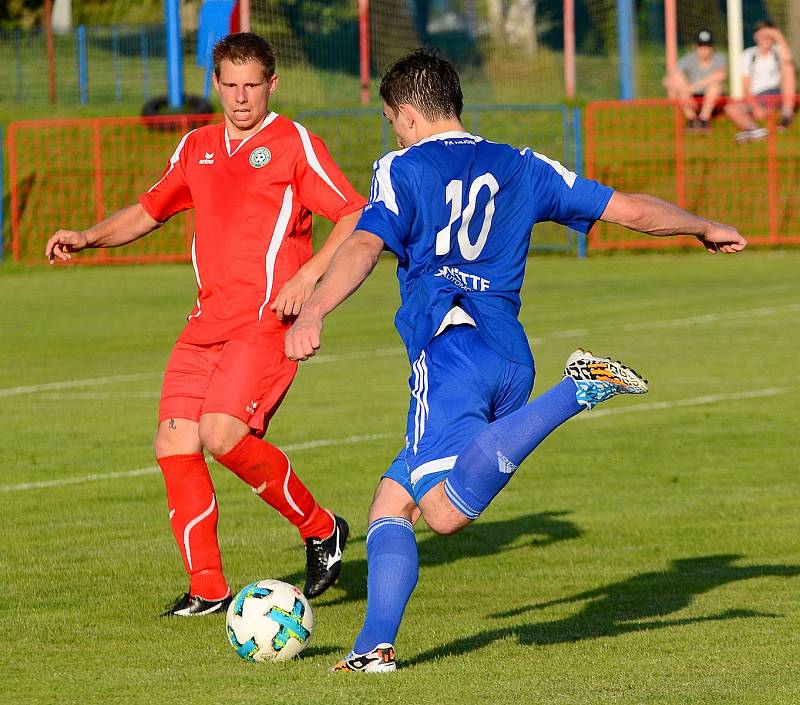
{"points": [[197, 279], [253, 215], [313, 160], [274, 244]]}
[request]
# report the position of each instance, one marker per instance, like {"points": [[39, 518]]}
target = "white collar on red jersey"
{"points": [[267, 120]]}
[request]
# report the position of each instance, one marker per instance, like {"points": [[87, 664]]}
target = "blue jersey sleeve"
{"points": [[562, 196], [390, 212]]}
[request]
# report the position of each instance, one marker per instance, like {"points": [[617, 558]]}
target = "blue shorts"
{"points": [[459, 385]]}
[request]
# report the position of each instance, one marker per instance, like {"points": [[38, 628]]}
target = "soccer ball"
{"points": [[269, 621]]}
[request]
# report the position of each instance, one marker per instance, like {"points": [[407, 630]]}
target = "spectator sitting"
{"points": [[767, 70], [698, 82]]}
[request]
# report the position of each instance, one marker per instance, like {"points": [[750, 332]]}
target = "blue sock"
{"points": [[489, 460], [392, 570]]}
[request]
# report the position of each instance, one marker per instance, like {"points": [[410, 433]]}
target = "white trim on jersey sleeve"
{"points": [[278, 233], [173, 160], [382, 188], [313, 160], [568, 176]]}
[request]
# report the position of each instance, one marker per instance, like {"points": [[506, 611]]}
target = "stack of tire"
{"points": [[159, 107]]}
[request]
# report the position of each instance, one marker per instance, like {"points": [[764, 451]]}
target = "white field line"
{"points": [[78, 396], [76, 383], [356, 355], [352, 440], [674, 322], [362, 354], [321, 443], [676, 403]]}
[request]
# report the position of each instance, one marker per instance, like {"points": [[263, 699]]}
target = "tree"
{"points": [[513, 22], [21, 13]]}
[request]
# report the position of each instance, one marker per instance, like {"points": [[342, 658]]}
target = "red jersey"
{"points": [[253, 202]]}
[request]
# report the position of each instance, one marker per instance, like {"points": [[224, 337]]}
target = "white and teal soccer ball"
{"points": [[269, 621]]}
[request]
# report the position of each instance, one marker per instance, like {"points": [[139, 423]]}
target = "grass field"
{"points": [[647, 553]]}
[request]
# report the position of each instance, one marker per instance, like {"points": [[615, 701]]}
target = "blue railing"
{"points": [[94, 64]]}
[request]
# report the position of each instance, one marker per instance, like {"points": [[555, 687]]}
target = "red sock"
{"points": [[268, 471], [193, 516]]}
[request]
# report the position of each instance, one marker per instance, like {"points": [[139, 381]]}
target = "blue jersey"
{"points": [[458, 210]]}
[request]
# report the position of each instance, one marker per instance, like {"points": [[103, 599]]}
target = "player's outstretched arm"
{"points": [[350, 266], [295, 292], [123, 226], [648, 214]]}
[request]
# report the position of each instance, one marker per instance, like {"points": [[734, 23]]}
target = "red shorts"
{"points": [[237, 378], [719, 106]]}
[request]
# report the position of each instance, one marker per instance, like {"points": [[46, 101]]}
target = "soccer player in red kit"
{"points": [[254, 181]]}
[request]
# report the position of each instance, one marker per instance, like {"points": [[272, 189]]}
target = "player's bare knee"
{"points": [[391, 499], [218, 442], [161, 447], [220, 433], [174, 437]]}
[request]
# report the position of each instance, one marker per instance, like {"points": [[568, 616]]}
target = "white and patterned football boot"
{"points": [[600, 378], [379, 660]]}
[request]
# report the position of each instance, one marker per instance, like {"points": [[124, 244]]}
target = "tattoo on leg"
{"points": [[172, 424]]}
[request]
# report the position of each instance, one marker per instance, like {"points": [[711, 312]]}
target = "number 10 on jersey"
{"points": [[454, 195]]}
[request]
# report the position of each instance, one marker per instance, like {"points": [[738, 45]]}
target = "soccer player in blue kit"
{"points": [[457, 210]]}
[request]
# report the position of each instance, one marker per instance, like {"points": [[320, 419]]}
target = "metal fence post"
{"points": [[83, 71], [209, 66], [172, 20], [625, 29]]}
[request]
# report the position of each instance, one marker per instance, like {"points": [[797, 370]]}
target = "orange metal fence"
{"points": [[71, 173], [644, 146]]}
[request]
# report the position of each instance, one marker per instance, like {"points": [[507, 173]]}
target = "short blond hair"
{"points": [[243, 47]]}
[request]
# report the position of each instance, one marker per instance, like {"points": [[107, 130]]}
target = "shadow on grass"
{"points": [[484, 538], [639, 603]]}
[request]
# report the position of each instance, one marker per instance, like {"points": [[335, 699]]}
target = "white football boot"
{"points": [[379, 660], [600, 378]]}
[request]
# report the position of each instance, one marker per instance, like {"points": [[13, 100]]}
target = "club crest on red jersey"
{"points": [[259, 157]]}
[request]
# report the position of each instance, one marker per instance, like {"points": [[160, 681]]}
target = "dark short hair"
{"points": [[761, 24], [425, 80], [243, 47]]}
